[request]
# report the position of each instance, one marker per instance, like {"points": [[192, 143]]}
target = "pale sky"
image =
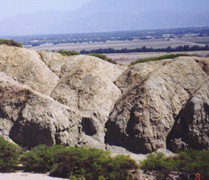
{"points": [[99, 15], [9, 8]]}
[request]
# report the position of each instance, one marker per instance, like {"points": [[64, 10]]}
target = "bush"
{"points": [[195, 161], [68, 53], [10, 43], [166, 56], [71, 177], [92, 164], [102, 56], [40, 158], [9, 154], [78, 163], [75, 161], [158, 162], [189, 161]]}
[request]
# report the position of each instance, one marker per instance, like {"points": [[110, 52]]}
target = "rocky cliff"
{"points": [[46, 98]]}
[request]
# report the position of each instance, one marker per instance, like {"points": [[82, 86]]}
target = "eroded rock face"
{"points": [[137, 73], [86, 83], [191, 129], [53, 60], [33, 118], [144, 116], [27, 67], [46, 98]]}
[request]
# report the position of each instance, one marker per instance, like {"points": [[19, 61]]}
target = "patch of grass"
{"points": [[9, 154], [166, 56], [102, 56], [10, 43], [189, 161], [68, 53]]}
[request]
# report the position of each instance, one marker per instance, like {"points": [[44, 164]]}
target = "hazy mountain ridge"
{"points": [[106, 15]]}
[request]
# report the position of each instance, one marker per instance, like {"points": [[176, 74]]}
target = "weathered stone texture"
{"points": [[144, 116], [46, 98], [27, 67]]}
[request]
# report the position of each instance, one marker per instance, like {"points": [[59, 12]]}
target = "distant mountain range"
{"points": [[111, 15]]}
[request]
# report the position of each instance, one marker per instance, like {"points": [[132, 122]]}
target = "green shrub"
{"points": [[158, 162], [71, 177], [166, 56], [41, 158], [189, 161], [195, 161], [10, 43], [9, 154], [121, 166], [78, 163], [92, 164], [102, 56], [68, 53]]}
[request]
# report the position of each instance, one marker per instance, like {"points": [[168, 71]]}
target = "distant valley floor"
{"points": [[125, 44]]}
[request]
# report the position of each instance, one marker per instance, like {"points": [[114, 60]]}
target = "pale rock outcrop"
{"points": [[144, 116], [191, 129], [46, 98], [137, 73], [27, 67], [30, 118], [87, 84], [53, 60]]}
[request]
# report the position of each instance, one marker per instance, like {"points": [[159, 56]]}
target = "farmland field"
{"points": [[124, 44]]}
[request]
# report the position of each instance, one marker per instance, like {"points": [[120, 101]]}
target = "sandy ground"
{"points": [[26, 176]]}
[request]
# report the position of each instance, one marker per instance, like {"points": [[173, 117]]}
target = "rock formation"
{"points": [[51, 99], [28, 68], [147, 111], [47, 98], [30, 118], [192, 125]]}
